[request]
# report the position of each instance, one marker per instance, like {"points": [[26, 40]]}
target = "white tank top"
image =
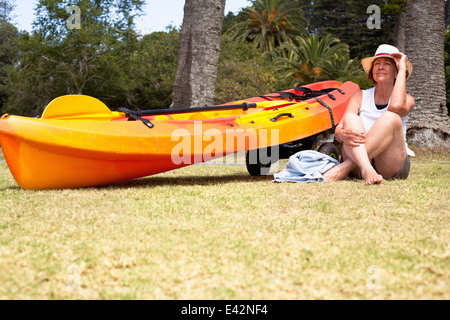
{"points": [[369, 114]]}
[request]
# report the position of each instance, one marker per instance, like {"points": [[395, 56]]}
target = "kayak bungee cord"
{"points": [[137, 114]]}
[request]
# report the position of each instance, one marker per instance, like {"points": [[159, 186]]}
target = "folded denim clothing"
{"points": [[306, 166]]}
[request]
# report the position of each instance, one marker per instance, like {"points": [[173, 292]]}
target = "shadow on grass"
{"points": [[185, 181], [151, 182], [16, 188]]}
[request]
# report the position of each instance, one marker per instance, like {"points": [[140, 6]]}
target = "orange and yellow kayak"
{"points": [[79, 142]]}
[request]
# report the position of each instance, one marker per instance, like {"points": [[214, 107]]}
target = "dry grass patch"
{"points": [[214, 232]]}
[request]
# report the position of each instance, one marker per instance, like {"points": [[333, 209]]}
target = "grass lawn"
{"points": [[214, 232]]}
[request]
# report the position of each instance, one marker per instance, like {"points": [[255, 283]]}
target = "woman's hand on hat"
{"points": [[400, 60]]}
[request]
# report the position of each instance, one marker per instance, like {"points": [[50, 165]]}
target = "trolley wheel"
{"points": [[329, 149], [258, 161]]}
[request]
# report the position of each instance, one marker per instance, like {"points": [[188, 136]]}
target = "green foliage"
{"points": [[106, 59], [244, 72], [315, 59], [347, 21], [228, 22], [268, 23], [152, 69], [6, 8], [29, 81], [56, 60], [8, 56], [8, 46]]}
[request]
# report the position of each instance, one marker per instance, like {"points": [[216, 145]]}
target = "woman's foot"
{"points": [[334, 174], [339, 172], [371, 176]]}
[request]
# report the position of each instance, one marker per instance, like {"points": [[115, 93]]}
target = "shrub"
{"points": [[244, 72]]}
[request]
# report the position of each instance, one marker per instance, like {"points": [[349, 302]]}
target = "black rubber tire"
{"points": [[257, 169], [329, 149]]}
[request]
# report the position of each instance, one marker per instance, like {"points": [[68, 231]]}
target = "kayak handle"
{"points": [[290, 115], [136, 115]]}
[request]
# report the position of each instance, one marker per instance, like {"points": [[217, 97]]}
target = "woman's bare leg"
{"points": [[340, 171], [386, 145], [384, 142], [357, 155]]}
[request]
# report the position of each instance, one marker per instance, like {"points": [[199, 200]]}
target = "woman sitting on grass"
{"points": [[373, 128]]}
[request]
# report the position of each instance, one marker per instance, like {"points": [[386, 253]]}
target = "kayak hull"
{"points": [[60, 153]]}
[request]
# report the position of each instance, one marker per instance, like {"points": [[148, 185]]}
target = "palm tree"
{"points": [[313, 59], [268, 23], [429, 124], [342, 68]]}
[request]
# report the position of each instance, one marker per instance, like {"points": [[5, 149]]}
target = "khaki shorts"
{"points": [[403, 174]]}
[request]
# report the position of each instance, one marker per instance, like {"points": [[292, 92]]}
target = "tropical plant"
{"points": [[269, 23], [342, 68], [314, 59], [347, 20]]}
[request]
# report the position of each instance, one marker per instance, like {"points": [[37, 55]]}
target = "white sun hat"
{"points": [[385, 51]]}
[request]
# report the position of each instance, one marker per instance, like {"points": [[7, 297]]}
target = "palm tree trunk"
{"points": [[447, 13], [399, 31], [199, 53], [429, 124]]}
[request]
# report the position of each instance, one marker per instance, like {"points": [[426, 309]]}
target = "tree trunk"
{"points": [[399, 31], [447, 13], [199, 53], [429, 124]]}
